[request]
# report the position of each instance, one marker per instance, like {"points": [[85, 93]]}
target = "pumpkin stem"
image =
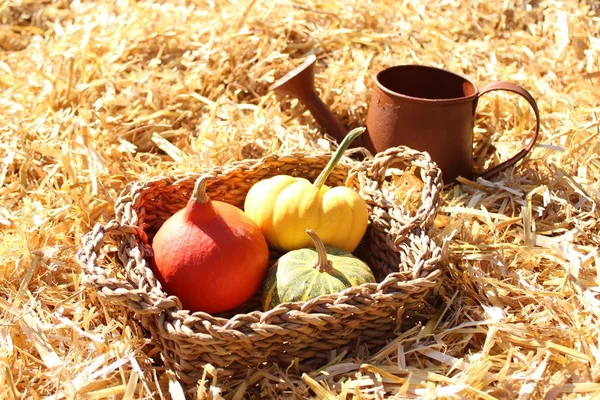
{"points": [[199, 207], [335, 159], [323, 264], [199, 194]]}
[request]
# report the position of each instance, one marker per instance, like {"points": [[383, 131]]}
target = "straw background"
{"points": [[97, 94]]}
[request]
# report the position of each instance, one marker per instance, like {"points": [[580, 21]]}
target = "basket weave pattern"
{"points": [[402, 257]]}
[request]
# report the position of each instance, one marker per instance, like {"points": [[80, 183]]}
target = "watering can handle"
{"points": [[511, 87]]}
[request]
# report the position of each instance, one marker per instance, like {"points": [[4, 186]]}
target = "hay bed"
{"points": [[96, 94]]}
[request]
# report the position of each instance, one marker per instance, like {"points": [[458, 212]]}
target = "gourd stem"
{"points": [[199, 194], [335, 159], [323, 264]]}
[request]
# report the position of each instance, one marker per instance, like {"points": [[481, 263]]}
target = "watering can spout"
{"points": [[300, 83]]}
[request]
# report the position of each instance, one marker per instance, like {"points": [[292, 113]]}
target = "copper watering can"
{"points": [[425, 108]]}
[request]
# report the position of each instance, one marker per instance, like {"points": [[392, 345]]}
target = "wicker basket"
{"points": [[405, 262]]}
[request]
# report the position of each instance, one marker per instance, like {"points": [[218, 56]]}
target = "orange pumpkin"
{"points": [[210, 254]]}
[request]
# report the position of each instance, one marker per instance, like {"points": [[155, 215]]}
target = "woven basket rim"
{"points": [[170, 304], [300, 306]]}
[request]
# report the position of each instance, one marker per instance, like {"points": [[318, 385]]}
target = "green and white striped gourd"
{"points": [[303, 274]]}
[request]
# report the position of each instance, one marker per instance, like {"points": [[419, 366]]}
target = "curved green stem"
{"points": [[335, 159], [322, 264]]}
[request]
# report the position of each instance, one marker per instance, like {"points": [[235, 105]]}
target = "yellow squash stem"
{"points": [[353, 134], [322, 264]]}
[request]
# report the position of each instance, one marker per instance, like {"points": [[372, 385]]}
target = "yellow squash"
{"points": [[284, 207]]}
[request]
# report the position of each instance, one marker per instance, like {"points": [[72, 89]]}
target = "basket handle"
{"points": [[117, 290], [417, 262], [373, 174], [94, 240], [404, 155]]}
